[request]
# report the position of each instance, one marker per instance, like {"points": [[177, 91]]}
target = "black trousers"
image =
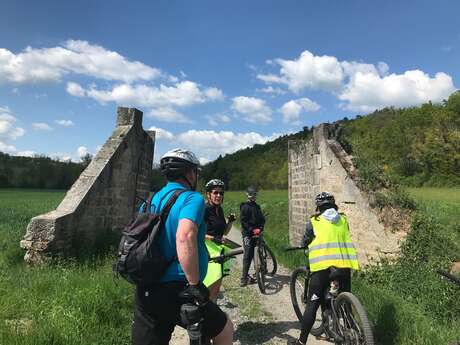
{"points": [[249, 244], [317, 287], [157, 312]]}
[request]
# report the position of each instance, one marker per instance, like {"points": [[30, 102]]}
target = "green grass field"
{"points": [[80, 302]]}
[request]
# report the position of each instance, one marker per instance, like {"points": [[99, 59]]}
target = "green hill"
{"points": [[263, 165], [418, 146]]}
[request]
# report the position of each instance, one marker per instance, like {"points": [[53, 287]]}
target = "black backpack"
{"points": [[139, 259]]}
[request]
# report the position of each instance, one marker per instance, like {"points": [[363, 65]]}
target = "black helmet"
{"points": [[175, 163], [323, 199], [251, 191], [214, 183]]}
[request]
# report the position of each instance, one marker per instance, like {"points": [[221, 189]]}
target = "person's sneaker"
{"points": [[252, 280], [294, 342], [243, 282]]}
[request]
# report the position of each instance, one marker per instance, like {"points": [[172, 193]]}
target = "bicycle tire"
{"points": [[359, 333], [299, 291], [260, 271], [270, 257]]}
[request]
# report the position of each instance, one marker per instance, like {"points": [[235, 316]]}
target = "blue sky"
{"points": [[213, 76]]}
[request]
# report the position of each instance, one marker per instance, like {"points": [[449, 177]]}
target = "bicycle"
{"points": [[190, 312], [344, 320], [264, 262]]}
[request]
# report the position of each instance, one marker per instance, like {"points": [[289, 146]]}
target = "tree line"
{"points": [[416, 146], [38, 172]]}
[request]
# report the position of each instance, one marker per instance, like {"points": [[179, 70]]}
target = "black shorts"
{"points": [[157, 312]]}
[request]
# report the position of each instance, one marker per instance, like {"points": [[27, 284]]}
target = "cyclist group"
{"points": [[195, 230]]}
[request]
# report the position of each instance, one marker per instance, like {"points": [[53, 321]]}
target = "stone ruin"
{"points": [[321, 164], [103, 199]]}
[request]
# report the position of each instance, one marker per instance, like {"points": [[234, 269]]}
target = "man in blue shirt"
{"points": [[157, 308]]}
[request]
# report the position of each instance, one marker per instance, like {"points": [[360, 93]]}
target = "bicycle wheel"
{"points": [[270, 259], [299, 292], [353, 323], [260, 266]]}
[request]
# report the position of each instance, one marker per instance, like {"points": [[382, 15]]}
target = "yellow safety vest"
{"points": [[332, 245]]}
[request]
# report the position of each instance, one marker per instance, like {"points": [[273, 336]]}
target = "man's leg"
{"points": [[316, 288], [216, 325], [248, 247], [156, 312]]}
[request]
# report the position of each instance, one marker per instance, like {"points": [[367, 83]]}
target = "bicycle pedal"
{"points": [[322, 337]]}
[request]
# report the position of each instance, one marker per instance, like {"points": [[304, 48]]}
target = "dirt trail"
{"points": [[275, 330]]}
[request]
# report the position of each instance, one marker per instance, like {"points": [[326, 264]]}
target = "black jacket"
{"points": [[251, 217], [215, 221]]}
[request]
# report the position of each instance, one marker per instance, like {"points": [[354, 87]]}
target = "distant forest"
{"points": [[38, 172], [417, 146]]}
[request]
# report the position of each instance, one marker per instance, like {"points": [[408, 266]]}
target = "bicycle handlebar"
{"points": [[294, 248], [225, 257], [449, 276]]}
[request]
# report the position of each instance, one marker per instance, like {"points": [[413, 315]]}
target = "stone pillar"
{"points": [[104, 197], [322, 165]]}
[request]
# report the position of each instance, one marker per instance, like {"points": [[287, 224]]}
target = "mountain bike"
{"points": [[264, 262], [343, 320], [190, 313]]}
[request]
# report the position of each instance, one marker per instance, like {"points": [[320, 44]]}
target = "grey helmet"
{"points": [[214, 183], [251, 191], [175, 163], [323, 199]]}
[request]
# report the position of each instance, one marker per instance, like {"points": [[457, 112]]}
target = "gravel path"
{"points": [[276, 328]]}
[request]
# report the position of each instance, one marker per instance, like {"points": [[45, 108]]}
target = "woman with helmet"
{"points": [[252, 223], [329, 245], [216, 227]]}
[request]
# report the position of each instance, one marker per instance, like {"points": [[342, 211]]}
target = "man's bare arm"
{"points": [[187, 250]]}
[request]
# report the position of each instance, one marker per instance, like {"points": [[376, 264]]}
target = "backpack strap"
{"points": [[165, 211], [148, 204]]}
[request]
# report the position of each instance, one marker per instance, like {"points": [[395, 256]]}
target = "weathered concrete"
{"points": [[103, 198], [322, 165]]}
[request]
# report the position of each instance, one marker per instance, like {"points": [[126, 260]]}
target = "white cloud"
{"points": [[37, 65], [161, 133], [27, 153], [366, 92], [8, 131], [182, 94], [75, 89], [272, 90], [64, 123], [291, 110], [308, 71], [168, 114], [41, 126], [82, 151], [254, 109], [361, 86], [204, 160], [211, 143], [218, 119]]}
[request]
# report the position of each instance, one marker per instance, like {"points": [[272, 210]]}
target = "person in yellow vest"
{"points": [[329, 245], [217, 226]]}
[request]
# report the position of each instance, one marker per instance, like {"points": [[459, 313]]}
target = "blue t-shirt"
{"points": [[189, 205]]}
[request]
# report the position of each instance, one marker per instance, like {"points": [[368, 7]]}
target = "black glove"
{"points": [[231, 217], [199, 293], [217, 240]]}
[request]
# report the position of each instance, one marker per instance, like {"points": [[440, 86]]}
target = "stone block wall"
{"points": [[103, 199], [327, 167]]}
